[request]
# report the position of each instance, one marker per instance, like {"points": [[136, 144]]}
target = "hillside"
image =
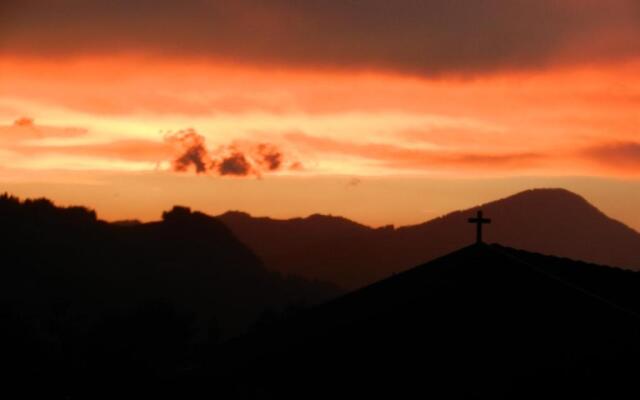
{"points": [[548, 221], [81, 298]]}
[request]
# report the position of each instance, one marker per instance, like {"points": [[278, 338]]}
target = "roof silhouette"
{"points": [[484, 320]]}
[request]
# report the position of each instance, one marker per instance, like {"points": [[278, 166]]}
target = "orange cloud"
{"points": [[410, 158], [128, 150], [623, 156], [512, 120], [24, 122], [28, 139], [25, 128]]}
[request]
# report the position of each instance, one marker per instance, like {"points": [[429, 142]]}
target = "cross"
{"points": [[479, 220]]}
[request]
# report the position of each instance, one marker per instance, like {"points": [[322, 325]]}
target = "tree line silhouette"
{"points": [[84, 302]]}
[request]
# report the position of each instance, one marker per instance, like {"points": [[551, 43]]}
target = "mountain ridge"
{"points": [[188, 259], [550, 221]]}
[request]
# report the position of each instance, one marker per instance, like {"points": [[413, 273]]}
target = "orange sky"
{"points": [[366, 129]]}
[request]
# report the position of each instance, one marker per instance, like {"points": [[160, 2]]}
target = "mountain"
{"points": [[82, 299], [189, 258], [334, 249], [483, 321], [327, 248]]}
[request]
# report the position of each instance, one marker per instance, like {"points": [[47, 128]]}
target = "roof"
{"points": [[483, 320]]}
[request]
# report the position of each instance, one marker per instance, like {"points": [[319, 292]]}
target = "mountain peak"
{"points": [[559, 205], [553, 191], [556, 195]]}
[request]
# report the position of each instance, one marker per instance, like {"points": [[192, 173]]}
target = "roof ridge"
{"points": [[534, 268]]}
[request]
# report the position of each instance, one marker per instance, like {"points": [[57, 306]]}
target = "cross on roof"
{"points": [[479, 220]]}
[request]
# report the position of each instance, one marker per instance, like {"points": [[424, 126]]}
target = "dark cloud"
{"points": [[269, 156], [193, 151], [236, 164], [236, 159], [622, 155], [429, 36]]}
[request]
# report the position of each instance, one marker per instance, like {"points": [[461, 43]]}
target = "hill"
{"points": [[80, 297], [484, 321], [328, 248], [548, 221]]}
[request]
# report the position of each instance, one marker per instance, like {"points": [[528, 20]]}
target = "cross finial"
{"points": [[479, 220]]}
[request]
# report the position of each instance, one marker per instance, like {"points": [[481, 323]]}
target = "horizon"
{"points": [[306, 216], [315, 111]]}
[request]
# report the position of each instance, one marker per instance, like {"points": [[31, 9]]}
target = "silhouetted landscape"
{"points": [[335, 249], [180, 307], [83, 299], [196, 193]]}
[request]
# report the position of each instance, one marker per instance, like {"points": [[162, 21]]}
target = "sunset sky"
{"points": [[386, 112]]}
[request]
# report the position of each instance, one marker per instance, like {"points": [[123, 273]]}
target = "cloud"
{"points": [[186, 149], [426, 37], [127, 150], [192, 151], [235, 159], [268, 156], [25, 128], [399, 157], [24, 122], [28, 139], [620, 155], [236, 164]]}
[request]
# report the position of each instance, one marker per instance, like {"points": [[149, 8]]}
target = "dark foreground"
{"points": [[486, 321], [90, 310]]}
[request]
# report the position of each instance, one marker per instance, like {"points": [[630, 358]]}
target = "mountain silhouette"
{"points": [[179, 308], [484, 321], [188, 258], [334, 249], [82, 300]]}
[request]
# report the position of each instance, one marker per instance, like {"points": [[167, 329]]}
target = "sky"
{"points": [[383, 112]]}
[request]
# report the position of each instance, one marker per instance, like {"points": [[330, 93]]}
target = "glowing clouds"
{"points": [[260, 121], [182, 151], [621, 156], [236, 159], [25, 128]]}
